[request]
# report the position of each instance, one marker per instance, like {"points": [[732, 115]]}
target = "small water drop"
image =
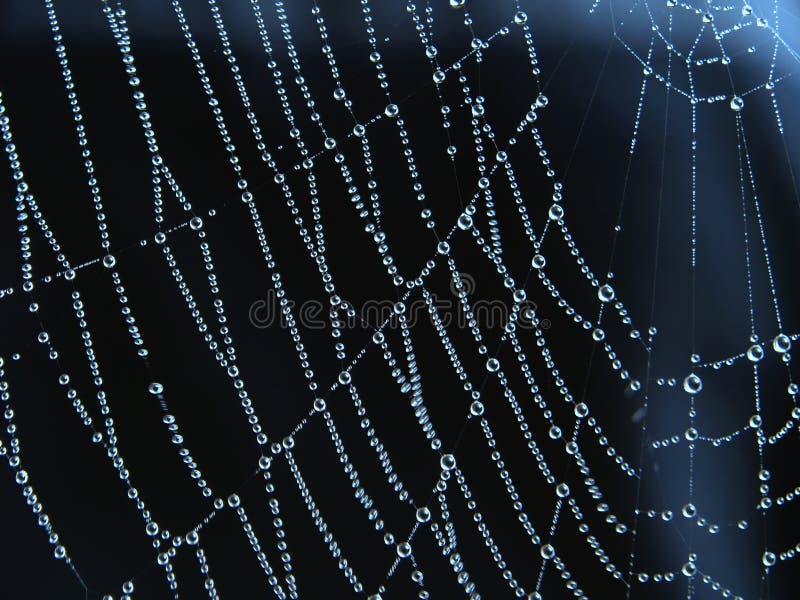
{"points": [[447, 462], [692, 384], [556, 212], [464, 222], [606, 293], [782, 343]]}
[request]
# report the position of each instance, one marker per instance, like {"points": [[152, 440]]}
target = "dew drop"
{"points": [[447, 462], [782, 343], [556, 212], [755, 353], [606, 293], [692, 384]]}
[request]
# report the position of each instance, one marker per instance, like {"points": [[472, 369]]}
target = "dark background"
{"points": [[593, 85]]}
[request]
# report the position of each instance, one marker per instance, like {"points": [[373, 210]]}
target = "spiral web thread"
{"points": [[453, 484]]}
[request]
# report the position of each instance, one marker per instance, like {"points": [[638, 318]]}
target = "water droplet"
{"points": [[606, 293], [689, 569], [755, 353], [737, 103], [447, 462], [556, 212], [464, 222], [782, 343], [692, 384]]}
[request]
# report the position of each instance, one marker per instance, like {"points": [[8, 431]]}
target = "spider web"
{"points": [[496, 459]]}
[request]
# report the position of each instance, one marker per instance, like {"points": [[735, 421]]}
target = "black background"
{"points": [[593, 85]]}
